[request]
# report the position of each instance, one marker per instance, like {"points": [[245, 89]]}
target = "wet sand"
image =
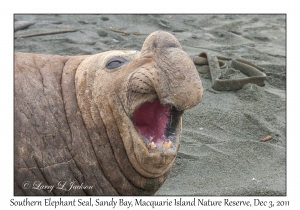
{"points": [[221, 150]]}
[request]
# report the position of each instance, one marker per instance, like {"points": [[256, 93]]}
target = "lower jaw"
{"points": [[163, 143]]}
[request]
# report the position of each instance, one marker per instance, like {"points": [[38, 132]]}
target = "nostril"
{"points": [[171, 45], [154, 45], [165, 45]]}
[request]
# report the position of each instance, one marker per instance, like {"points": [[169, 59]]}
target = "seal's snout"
{"points": [[178, 82]]}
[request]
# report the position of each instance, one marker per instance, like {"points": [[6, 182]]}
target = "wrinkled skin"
{"points": [[77, 118]]}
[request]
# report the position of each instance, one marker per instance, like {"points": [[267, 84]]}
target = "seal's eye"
{"points": [[116, 62]]}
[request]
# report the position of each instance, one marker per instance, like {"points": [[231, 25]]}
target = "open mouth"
{"points": [[157, 124]]}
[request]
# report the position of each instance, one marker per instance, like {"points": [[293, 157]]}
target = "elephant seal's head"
{"points": [[139, 97]]}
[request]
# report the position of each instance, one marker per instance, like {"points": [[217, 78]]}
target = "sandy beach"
{"points": [[221, 152]]}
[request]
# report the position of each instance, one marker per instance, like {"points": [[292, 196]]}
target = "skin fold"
{"points": [[74, 118]]}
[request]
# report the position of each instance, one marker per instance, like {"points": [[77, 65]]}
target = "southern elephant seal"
{"points": [[104, 124]]}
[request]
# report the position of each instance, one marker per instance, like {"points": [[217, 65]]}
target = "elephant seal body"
{"points": [[104, 124]]}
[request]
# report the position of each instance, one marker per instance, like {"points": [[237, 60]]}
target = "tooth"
{"points": [[152, 145], [167, 144]]}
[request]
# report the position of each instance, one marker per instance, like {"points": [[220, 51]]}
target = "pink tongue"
{"points": [[151, 120]]}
